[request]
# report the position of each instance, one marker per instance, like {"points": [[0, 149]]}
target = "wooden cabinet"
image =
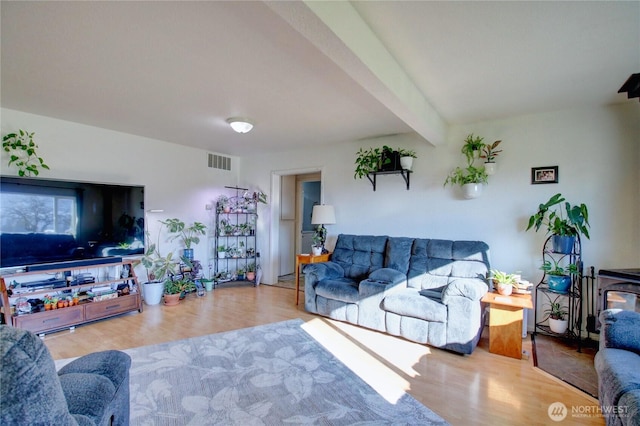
{"points": [[113, 275]]}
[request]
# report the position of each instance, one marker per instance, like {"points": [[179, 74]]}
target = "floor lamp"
{"points": [[321, 215]]}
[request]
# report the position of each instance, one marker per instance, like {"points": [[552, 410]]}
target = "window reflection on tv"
{"points": [[46, 221]]}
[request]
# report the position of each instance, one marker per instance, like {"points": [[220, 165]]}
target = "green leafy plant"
{"points": [[188, 234], [472, 146], [22, 153], [489, 151], [251, 267], [572, 221], [471, 174], [500, 277], [177, 286], [407, 153], [552, 267], [158, 267], [370, 160], [556, 310]]}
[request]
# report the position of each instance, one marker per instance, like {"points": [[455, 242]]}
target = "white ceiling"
{"points": [[311, 73]]}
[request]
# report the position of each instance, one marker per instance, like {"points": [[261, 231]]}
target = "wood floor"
{"points": [[479, 389]]}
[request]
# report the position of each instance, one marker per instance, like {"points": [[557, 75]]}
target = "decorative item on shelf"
{"points": [[472, 178], [489, 154], [222, 252], [223, 204], [187, 234], [251, 271], [557, 316], [406, 158], [367, 161], [22, 153], [559, 277], [503, 283], [240, 274], [321, 215], [564, 227]]}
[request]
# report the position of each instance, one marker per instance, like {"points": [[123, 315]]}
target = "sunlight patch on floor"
{"points": [[380, 377]]}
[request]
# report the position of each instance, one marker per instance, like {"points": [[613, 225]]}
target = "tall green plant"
{"points": [[570, 221], [188, 234]]}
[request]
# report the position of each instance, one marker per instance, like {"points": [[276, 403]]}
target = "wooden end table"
{"points": [[505, 322], [302, 259]]}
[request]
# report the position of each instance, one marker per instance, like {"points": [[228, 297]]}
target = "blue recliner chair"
{"points": [[91, 390]]}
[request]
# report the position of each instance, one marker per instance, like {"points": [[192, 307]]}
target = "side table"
{"points": [[302, 259], [505, 322]]}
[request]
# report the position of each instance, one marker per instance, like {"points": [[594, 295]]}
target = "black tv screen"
{"points": [[48, 221]]}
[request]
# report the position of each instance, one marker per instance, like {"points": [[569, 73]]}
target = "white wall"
{"points": [[596, 149], [177, 179]]}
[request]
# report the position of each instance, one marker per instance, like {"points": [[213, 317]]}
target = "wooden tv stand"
{"points": [[43, 321]]}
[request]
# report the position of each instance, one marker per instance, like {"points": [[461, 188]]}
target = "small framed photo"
{"points": [[544, 175]]}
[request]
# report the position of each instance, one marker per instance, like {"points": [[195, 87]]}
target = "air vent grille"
{"points": [[219, 162]]}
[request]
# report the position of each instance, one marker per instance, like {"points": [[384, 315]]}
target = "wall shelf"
{"points": [[406, 175]]}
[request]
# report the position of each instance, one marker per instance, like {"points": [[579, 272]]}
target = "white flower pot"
{"points": [[490, 168], [152, 292], [504, 289], [472, 190], [317, 251], [558, 326], [406, 163]]}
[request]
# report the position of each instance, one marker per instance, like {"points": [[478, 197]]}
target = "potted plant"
{"points": [[317, 239], [503, 282], [173, 289], [469, 179], [188, 234], [559, 277], [240, 274], [222, 204], [406, 158], [22, 153], [251, 271], [472, 178], [158, 268], [557, 313], [489, 154], [222, 252], [563, 224]]}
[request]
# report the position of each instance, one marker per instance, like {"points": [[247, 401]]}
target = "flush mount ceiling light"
{"points": [[240, 125]]}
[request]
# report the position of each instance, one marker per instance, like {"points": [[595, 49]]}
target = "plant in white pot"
{"points": [[503, 282], [564, 225], [489, 154], [406, 158], [557, 316], [317, 239], [158, 268]]}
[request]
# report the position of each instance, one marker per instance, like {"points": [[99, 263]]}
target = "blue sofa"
{"points": [[424, 290], [618, 366], [90, 390]]}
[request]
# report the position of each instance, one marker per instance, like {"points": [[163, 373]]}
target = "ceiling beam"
{"points": [[337, 30]]}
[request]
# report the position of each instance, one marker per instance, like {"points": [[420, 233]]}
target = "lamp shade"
{"points": [[240, 125], [323, 215]]}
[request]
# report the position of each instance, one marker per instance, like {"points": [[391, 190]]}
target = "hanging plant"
{"points": [[22, 153]]}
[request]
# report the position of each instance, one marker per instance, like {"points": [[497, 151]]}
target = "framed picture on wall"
{"points": [[544, 175]]}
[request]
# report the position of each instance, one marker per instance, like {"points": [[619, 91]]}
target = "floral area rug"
{"points": [[273, 374]]}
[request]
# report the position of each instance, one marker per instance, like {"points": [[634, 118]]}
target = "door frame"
{"points": [[272, 265]]}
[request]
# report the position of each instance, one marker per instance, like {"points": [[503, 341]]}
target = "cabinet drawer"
{"points": [[107, 308], [51, 320]]}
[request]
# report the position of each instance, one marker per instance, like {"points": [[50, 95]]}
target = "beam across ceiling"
{"points": [[337, 30]]}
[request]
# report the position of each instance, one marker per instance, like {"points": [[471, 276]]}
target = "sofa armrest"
{"points": [[471, 288], [316, 272], [620, 330]]}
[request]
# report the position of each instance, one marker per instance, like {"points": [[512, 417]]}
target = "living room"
{"points": [[595, 147]]}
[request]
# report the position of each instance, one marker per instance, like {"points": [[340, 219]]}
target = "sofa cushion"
{"points": [[620, 329], [617, 373], [409, 302], [398, 253], [359, 255], [343, 289]]}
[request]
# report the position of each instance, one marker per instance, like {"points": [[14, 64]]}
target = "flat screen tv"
{"points": [[44, 221]]}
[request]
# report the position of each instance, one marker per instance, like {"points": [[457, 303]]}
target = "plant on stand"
{"points": [[563, 224], [406, 158], [557, 313], [559, 277]]}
